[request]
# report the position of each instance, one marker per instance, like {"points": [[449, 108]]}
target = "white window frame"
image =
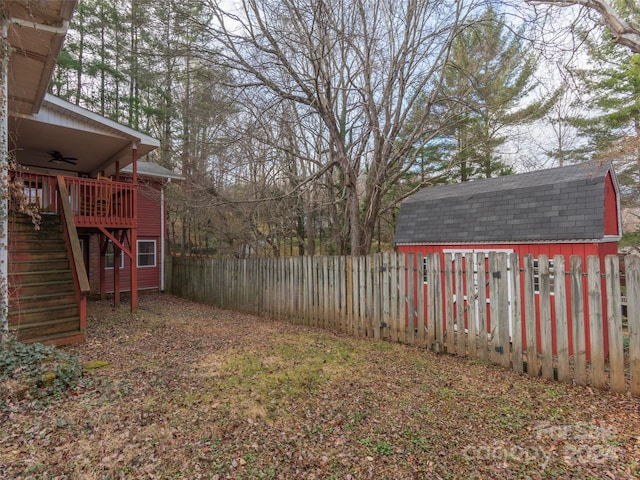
{"points": [[155, 254], [107, 267], [536, 277]]}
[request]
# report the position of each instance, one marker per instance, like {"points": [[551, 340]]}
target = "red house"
{"points": [[573, 210], [80, 172]]}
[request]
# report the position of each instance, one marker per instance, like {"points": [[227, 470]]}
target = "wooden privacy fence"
{"points": [[539, 316]]}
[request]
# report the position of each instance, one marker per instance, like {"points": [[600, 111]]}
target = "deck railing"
{"points": [[94, 202]]}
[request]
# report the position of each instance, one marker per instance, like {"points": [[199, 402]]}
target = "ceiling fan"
{"points": [[57, 157]]}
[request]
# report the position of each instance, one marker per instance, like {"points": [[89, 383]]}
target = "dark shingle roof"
{"points": [[565, 203]]}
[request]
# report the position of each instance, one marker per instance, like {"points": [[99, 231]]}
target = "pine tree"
{"points": [[486, 83]]}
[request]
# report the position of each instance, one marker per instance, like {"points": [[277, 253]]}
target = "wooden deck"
{"points": [[94, 203]]}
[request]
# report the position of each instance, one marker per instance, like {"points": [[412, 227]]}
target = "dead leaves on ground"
{"points": [[188, 391]]}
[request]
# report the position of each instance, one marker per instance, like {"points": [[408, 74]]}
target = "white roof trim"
{"points": [[605, 239], [100, 121], [155, 171]]}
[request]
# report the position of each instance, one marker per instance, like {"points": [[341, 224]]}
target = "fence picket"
{"points": [[394, 319], [562, 323], [499, 308], [632, 277], [386, 295], [577, 322], [461, 348], [410, 324], [516, 315], [595, 323], [362, 285], [614, 324], [448, 293], [433, 273], [402, 295], [471, 304], [546, 339], [483, 341], [531, 341], [420, 299]]}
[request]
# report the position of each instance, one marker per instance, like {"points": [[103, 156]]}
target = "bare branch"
{"points": [[624, 33]]}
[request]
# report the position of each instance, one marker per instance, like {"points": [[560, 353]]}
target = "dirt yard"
{"points": [[181, 390]]}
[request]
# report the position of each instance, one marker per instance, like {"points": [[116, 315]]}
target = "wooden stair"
{"points": [[43, 306]]}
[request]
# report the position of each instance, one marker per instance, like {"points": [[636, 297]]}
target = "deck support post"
{"points": [[102, 241]]}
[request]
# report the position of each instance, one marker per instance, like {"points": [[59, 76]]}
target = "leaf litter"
{"points": [[184, 390]]}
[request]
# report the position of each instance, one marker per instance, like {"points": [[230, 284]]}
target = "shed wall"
{"points": [[583, 250]]}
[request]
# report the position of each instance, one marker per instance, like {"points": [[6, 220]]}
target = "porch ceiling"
{"points": [[96, 142], [36, 30]]}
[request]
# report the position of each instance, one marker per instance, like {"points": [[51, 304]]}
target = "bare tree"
{"points": [[360, 67]]}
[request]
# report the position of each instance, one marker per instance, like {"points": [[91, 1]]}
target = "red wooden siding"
{"points": [[149, 229], [611, 225], [550, 249]]}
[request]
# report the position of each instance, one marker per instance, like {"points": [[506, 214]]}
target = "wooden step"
{"points": [[43, 256], [22, 287], [20, 266], [42, 300], [24, 314], [21, 243], [46, 328], [39, 276], [67, 338]]}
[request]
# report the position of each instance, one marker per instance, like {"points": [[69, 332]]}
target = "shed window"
{"points": [[536, 276], [146, 253]]}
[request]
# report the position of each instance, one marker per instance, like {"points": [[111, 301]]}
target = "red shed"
{"points": [[573, 210]]}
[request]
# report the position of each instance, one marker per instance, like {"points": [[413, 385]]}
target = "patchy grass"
{"points": [[181, 390]]}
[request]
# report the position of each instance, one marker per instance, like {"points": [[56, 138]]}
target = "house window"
{"points": [[536, 276], [146, 253], [108, 256]]}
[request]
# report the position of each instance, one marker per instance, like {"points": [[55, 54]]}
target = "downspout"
{"points": [[162, 236], [134, 231], [4, 187]]}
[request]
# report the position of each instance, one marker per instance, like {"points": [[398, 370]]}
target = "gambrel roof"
{"points": [[561, 204]]}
